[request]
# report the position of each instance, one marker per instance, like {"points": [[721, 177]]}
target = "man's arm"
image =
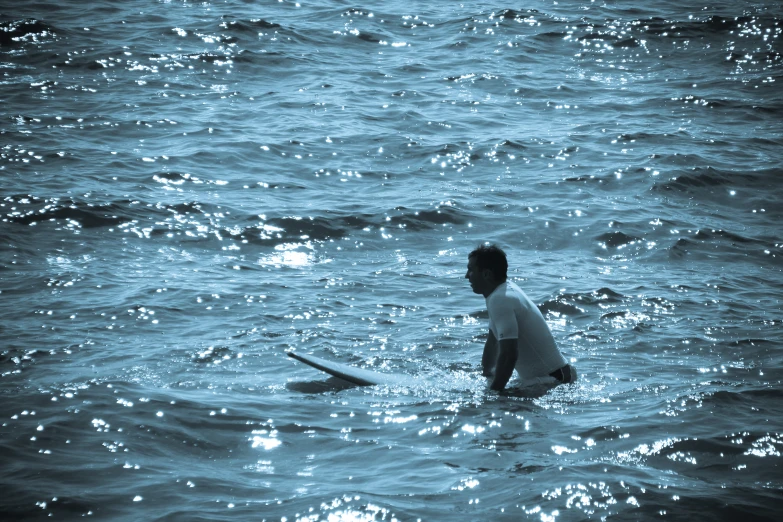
{"points": [[507, 359], [490, 357]]}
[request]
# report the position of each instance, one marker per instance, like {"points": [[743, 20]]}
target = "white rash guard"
{"points": [[512, 315]]}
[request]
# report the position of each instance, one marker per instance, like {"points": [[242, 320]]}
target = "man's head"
{"points": [[487, 268]]}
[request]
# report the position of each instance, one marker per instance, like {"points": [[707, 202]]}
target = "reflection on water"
{"points": [[289, 255], [192, 189]]}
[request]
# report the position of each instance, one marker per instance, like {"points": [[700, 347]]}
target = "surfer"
{"points": [[518, 334]]}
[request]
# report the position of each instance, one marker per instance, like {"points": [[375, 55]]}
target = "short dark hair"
{"points": [[493, 258]]}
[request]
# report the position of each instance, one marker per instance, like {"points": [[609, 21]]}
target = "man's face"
{"points": [[475, 277]]}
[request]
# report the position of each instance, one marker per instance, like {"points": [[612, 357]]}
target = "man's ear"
{"points": [[486, 273]]}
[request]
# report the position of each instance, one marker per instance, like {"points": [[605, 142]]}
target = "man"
{"points": [[518, 334]]}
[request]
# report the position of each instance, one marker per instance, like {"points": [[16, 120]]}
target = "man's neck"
{"points": [[491, 288]]}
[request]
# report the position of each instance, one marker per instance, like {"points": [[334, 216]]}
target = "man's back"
{"points": [[512, 315]]}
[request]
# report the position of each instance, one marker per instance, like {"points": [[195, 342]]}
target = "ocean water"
{"points": [[190, 189]]}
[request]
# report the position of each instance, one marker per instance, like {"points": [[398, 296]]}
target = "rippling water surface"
{"points": [[190, 189]]}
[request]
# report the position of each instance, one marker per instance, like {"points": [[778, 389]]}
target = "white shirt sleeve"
{"points": [[502, 318]]}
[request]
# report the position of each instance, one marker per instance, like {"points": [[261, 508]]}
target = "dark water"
{"points": [[189, 189]]}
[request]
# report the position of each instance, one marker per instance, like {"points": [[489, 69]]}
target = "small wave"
{"points": [[564, 304], [698, 179], [616, 239], [745, 396], [687, 182], [551, 35], [775, 110], [19, 32], [368, 37], [581, 334], [616, 39], [681, 247], [723, 235], [749, 342], [249, 26], [636, 136], [87, 215], [428, 219], [213, 355], [512, 14], [514, 145], [212, 58], [19, 501], [339, 225], [202, 220], [693, 28], [328, 385], [614, 315], [627, 43], [244, 29], [742, 58], [22, 358], [586, 178], [459, 155], [707, 240], [560, 307], [318, 228], [602, 295]]}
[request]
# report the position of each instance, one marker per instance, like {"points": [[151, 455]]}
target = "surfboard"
{"points": [[353, 374]]}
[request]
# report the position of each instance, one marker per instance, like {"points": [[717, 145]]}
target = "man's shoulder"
{"points": [[509, 295], [505, 293], [514, 289]]}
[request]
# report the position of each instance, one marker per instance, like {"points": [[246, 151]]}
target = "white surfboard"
{"points": [[353, 374]]}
